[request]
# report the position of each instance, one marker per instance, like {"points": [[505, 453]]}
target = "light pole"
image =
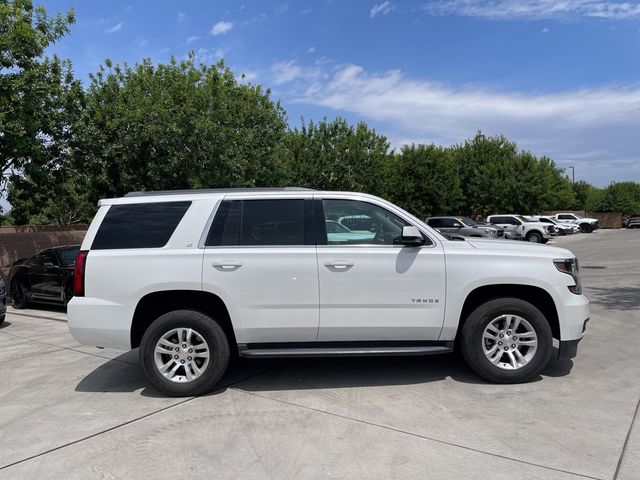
{"points": [[573, 174]]}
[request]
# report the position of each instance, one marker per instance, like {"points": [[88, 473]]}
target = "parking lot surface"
{"points": [[69, 411]]}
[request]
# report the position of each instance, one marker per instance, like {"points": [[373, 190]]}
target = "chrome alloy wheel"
{"points": [[509, 342], [182, 355]]}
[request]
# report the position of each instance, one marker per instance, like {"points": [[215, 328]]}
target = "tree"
{"points": [[337, 156], [34, 91], [496, 177], [622, 197], [424, 180], [176, 125]]}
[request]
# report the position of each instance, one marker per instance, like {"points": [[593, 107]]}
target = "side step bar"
{"points": [[342, 349]]}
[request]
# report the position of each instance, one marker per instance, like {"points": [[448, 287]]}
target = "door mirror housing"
{"points": [[411, 236], [48, 264]]}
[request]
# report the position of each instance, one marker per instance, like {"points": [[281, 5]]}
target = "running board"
{"points": [[346, 349]]}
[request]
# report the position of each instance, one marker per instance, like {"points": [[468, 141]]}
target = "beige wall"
{"points": [[21, 242]]}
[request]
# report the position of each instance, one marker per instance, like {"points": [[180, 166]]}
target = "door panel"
{"points": [[261, 259], [373, 288], [382, 293], [273, 292]]}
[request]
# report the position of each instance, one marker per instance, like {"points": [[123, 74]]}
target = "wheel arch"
{"points": [[154, 304], [537, 296]]}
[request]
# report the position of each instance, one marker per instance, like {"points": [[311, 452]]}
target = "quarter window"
{"points": [[139, 225]]}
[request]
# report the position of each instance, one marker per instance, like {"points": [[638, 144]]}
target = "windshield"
{"points": [[522, 219], [577, 216], [68, 256], [467, 221]]}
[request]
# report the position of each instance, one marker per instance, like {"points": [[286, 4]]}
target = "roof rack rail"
{"points": [[215, 190]]}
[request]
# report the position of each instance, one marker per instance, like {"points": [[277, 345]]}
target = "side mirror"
{"points": [[48, 264], [411, 236]]}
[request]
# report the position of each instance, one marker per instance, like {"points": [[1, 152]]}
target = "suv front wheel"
{"points": [[507, 340], [184, 353]]}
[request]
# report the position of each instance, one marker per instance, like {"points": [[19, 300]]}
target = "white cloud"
{"points": [[141, 42], [534, 9], [282, 8], [182, 16], [544, 30], [114, 29], [306, 11], [192, 38], [381, 9], [289, 71], [221, 28], [206, 55], [311, 50], [593, 128]]}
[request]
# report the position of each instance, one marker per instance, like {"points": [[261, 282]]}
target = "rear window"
{"points": [[139, 225], [260, 222]]}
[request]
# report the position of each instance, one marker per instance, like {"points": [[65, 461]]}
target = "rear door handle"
{"points": [[227, 265], [339, 264]]}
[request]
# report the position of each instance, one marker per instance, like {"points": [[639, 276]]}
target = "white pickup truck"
{"points": [[587, 225], [193, 277]]}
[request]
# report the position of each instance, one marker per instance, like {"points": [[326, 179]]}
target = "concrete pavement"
{"points": [[69, 411]]}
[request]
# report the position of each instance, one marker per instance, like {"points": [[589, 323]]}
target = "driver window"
{"points": [[351, 222]]}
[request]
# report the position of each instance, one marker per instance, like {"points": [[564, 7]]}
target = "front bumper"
{"points": [[569, 348]]}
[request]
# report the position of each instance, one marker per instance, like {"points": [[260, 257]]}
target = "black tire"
{"points": [[2, 319], [19, 296], [212, 333], [586, 228], [534, 237], [471, 341]]}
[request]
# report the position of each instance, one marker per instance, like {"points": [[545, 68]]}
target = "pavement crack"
{"points": [[626, 441], [417, 435], [67, 348], [133, 420]]}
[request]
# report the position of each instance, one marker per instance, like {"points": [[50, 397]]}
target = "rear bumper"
{"points": [[101, 323]]}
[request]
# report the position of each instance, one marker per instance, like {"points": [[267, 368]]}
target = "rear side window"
{"points": [[262, 222], [139, 225]]}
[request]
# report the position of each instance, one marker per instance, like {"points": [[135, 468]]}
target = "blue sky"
{"points": [[560, 77]]}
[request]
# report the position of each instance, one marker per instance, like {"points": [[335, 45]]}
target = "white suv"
{"points": [[587, 225], [531, 231], [193, 277]]}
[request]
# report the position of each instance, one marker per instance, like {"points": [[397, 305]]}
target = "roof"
{"points": [[214, 190]]}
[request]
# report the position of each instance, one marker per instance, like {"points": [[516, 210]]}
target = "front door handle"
{"points": [[339, 264], [227, 265]]}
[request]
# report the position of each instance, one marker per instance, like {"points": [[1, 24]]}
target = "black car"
{"points": [[45, 277], [3, 301]]}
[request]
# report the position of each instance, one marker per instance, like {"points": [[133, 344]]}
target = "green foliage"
{"points": [[496, 177], [179, 125], [424, 180], [35, 93], [336, 156], [621, 197]]}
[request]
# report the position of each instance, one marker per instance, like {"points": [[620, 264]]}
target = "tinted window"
{"points": [[436, 222], [68, 256], [140, 225], [566, 217], [259, 222], [46, 257], [363, 223]]}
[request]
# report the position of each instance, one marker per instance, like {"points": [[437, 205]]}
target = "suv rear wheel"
{"points": [[507, 340], [184, 353]]}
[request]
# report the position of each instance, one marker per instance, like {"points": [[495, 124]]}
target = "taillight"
{"points": [[78, 274], [570, 266]]}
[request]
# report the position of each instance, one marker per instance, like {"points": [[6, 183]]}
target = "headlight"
{"points": [[570, 267]]}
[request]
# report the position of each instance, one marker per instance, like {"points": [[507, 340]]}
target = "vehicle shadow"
{"points": [[5, 324], [122, 375], [47, 307]]}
